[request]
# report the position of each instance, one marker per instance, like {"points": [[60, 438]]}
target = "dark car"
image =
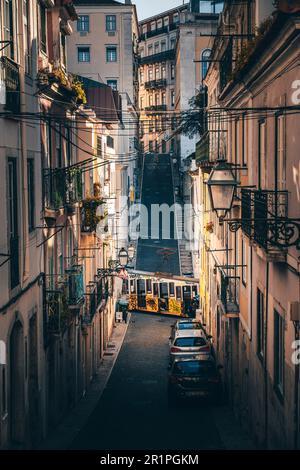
{"points": [[197, 377]]}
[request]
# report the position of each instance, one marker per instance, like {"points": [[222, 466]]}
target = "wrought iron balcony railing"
{"points": [[160, 57], [264, 217], [154, 84], [62, 187], [11, 76], [75, 285], [229, 294], [156, 32], [158, 107], [89, 214]]}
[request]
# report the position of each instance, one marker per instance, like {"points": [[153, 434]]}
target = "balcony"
{"points": [[203, 153], [157, 107], [62, 188], [89, 217], [160, 57], [229, 295], [155, 32], [75, 286], [11, 78], [264, 219], [156, 84]]}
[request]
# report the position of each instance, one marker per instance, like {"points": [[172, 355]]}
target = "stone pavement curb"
{"points": [[63, 436]]}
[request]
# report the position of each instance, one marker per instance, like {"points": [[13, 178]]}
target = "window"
{"points": [[149, 286], [113, 84], [83, 24], [164, 146], [260, 323], [144, 29], [156, 146], [205, 65], [178, 293], [27, 42], [153, 26], [173, 98], [163, 46], [150, 74], [155, 289], [163, 72], [205, 7], [83, 54], [176, 18], [156, 99], [157, 73], [172, 43], [111, 23], [172, 71], [279, 352], [280, 152], [159, 24], [111, 54], [164, 98], [43, 28], [166, 21], [172, 289], [150, 100], [142, 103], [156, 48], [31, 194], [8, 26], [110, 142], [150, 145], [150, 49], [262, 155]]}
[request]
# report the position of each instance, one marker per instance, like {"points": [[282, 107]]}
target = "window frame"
{"points": [[109, 54], [279, 352], [87, 52], [111, 20], [82, 22]]}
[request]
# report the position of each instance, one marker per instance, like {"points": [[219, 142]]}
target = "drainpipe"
{"points": [[23, 166], [296, 385]]}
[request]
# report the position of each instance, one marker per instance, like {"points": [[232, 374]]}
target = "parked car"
{"points": [[187, 343], [197, 377], [187, 324]]}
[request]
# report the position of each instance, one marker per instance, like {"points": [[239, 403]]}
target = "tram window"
{"points": [[132, 287], [164, 290], [155, 289], [187, 292], [178, 293], [149, 286], [195, 291], [172, 289], [141, 287]]}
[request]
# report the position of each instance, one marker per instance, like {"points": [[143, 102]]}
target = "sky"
{"points": [[148, 8]]}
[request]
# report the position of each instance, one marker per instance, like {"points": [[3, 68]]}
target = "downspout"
{"points": [[23, 151], [266, 357], [296, 385]]}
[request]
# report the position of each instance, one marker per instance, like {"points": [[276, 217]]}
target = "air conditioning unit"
{"points": [[294, 309]]}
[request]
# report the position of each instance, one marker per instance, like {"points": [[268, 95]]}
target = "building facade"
{"points": [[249, 270]]}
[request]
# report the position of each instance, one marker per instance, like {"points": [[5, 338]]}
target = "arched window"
{"points": [[205, 57]]}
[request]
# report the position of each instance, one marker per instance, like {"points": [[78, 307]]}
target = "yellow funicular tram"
{"points": [[160, 293]]}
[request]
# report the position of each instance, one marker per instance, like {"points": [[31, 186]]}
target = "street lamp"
{"points": [[221, 187], [123, 257]]}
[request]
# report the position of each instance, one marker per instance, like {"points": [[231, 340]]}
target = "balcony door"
{"points": [[13, 223]]}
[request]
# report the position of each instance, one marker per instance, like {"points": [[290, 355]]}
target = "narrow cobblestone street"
{"points": [[133, 411]]}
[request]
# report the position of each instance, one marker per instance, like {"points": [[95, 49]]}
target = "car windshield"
{"points": [[203, 368], [190, 342], [189, 326]]}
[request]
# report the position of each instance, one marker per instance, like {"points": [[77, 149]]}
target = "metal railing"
{"points": [[160, 57], [158, 83], [11, 77], [229, 294], [263, 214], [75, 285], [62, 187], [158, 107]]}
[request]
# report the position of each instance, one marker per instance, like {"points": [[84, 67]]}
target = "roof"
{"points": [[165, 13], [189, 334], [103, 100], [97, 2]]}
